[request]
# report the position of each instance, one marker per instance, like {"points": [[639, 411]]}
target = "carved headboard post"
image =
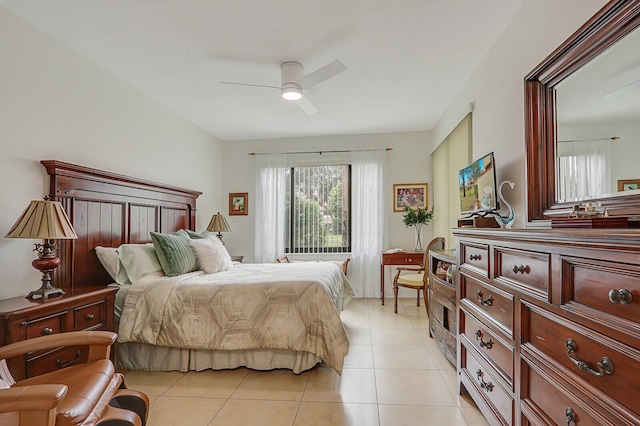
{"points": [[108, 209]]}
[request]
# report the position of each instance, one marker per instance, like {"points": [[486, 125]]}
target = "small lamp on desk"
{"points": [[218, 224], [44, 219]]}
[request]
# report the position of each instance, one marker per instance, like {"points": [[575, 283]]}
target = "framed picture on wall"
{"points": [[238, 203], [628, 184], [414, 195]]}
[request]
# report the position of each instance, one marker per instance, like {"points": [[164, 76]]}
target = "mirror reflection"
{"points": [[598, 125]]}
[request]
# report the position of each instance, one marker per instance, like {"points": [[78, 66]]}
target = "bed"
{"points": [[178, 331]]}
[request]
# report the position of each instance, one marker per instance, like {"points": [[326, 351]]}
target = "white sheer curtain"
{"points": [[584, 169], [368, 235], [269, 207]]}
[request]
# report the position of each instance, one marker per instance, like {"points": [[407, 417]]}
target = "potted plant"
{"points": [[417, 217]]}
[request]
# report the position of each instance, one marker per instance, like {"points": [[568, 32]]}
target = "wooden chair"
{"points": [[90, 393], [416, 278]]}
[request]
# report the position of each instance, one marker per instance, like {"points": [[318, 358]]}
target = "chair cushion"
{"points": [[87, 385], [414, 280]]}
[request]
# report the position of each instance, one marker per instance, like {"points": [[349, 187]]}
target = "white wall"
{"points": [[55, 104], [496, 88]]}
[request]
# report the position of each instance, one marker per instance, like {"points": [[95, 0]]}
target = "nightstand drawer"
{"points": [[44, 326], [56, 359], [90, 317]]}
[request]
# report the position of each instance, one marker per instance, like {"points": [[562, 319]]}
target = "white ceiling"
{"points": [[405, 59]]}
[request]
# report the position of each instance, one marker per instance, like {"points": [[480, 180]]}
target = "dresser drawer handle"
{"points": [[475, 257], [488, 344], [487, 386], [520, 269], [90, 317], [620, 296], [570, 415], [486, 302], [47, 331], [605, 365], [62, 364]]}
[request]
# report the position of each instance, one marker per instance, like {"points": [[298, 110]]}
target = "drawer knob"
{"points": [[488, 344], [475, 257], [520, 269], [605, 365], [409, 260], [47, 331], [484, 302], [487, 386], [570, 415], [620, 296], [90, 317], [62, 364]]}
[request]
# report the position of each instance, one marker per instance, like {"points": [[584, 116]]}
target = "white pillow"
{"points": [[109, 259], [138, 260], [212, 255]]}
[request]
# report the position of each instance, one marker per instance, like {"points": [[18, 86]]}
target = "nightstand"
{"points": [[83, 308], [237, 258]]}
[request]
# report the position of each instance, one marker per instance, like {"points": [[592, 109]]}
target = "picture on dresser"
{"points": [[628, 184]]}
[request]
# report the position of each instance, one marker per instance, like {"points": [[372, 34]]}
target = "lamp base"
{"points": [[45, 292], [46, 262]]}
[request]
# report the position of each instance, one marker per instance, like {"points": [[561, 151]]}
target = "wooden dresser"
{"points": [[443, 322], [549, 325], [83, 308]]}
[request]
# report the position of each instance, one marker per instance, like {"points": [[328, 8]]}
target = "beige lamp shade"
{"points": [[43, 219], [218, 224]]}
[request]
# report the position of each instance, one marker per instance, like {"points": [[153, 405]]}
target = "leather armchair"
{"points": [[92, 393]]}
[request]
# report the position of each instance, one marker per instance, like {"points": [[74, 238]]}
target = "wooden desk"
{"points": [[401, 258]]}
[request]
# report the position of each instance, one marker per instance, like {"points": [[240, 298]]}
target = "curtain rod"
{"points": [[321, 152], [612, 138]]}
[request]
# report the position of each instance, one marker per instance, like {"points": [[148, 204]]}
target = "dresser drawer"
{"points": [[613, 290], [44, 326], [56, 359], [483, 379], [552, 405], [524, 269], [487, 343], [495, 304], [90, 317], [475, 256], [604, 363]]}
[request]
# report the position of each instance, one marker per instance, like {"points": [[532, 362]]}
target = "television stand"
{"points": [[478, 222]]}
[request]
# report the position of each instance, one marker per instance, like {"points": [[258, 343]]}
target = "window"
{"points": [[318, 210]]}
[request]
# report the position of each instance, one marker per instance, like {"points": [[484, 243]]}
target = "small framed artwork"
{"points": [[628, 184], [238, 203], [414, 195]]}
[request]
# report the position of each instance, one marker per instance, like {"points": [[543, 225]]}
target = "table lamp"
{"points": [[44, 219], [218, 224]]}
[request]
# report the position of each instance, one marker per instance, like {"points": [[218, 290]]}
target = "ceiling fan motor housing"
{"points": [[291, 73]]}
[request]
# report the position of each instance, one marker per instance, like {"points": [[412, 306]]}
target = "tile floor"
{"points": [[394, 375]]}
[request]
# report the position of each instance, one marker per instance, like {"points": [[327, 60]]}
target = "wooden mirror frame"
{"points": [[614, 21]]}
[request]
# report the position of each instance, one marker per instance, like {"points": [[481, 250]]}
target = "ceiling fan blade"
{"points": [[305, 104], [250, 85], [321, 74]]}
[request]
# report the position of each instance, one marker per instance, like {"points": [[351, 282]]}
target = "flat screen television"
{"points": [[478, 188]]}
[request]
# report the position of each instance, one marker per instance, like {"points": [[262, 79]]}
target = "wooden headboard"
{"points": [[108, 209]]}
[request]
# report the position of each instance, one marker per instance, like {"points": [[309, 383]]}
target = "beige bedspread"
{"points": [[277, 306]]}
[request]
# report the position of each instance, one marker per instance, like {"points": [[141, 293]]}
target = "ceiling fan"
{"points": [[293, 82]]}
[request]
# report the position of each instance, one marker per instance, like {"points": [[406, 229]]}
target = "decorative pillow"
{"points": [[109, 259], [211, 254], [195, 236], [174, 253], [138, 260]]}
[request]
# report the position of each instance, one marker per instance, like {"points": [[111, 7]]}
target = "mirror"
{"points": [[556, 111]]}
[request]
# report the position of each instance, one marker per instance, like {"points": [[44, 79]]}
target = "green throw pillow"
{"points": [[174, 253], [195, 236]]}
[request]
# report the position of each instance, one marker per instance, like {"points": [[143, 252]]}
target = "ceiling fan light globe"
{"points": [[291, 92]]}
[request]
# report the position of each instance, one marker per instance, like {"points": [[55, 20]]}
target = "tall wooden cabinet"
{"points": [[549, 325]]}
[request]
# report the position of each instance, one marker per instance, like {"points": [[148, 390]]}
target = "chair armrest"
{"points": [[99, 343], [31, 398]]}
